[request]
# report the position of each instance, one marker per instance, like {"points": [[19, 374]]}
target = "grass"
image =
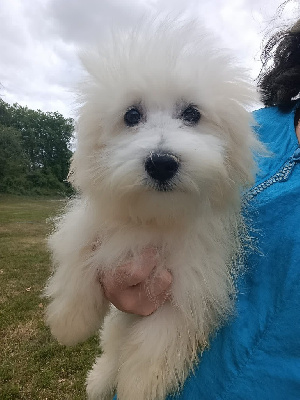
{"points": [[33, 366]]}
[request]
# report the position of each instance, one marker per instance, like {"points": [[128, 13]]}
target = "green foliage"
{"points": [[13, 160], [34, 151]]}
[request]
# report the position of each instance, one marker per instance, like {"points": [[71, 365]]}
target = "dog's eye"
{"points": [[191, 116], [132, 116]]}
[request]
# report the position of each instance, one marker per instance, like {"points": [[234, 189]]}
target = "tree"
{"points": [[13, 161], [45, 141]]}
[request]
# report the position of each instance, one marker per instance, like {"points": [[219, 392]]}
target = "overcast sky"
{"points": [[39, 39]]}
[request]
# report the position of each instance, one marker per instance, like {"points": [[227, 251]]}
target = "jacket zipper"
{"points": [[281, 176]]}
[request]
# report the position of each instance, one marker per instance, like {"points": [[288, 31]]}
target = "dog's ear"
{"points": [[78, 170], [84, 168], [241, 150], [234, 117], [73, 177], [71, 174]]}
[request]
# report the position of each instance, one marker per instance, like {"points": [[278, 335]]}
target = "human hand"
{"points": [[137, 289]]}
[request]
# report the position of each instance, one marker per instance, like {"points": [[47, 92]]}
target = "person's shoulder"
{"points": [[275, 114], [268, 115], [274, 123]]}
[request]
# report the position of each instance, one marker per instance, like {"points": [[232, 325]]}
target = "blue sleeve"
{"points": [[256, 354]]}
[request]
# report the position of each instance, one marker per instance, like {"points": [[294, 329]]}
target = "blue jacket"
{"points": [[256, 354]]}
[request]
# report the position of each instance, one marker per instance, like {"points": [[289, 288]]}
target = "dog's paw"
{"points": [[101, 380], [144, 381], [70, 323]]}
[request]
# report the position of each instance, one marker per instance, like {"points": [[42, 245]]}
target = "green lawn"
{"points": [[32, 364]]}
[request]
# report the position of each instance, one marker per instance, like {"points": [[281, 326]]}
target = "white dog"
{"points": [[164, 148]]}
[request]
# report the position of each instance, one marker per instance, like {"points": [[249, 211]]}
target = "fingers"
{"points": [[155, 295], [137, 289], [160, 283], [146, 297], [133, 273]]}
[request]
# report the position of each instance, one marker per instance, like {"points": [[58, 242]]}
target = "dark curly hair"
{"points": [[279, 82]]}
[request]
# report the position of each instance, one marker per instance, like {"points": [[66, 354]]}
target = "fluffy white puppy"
{"points": [[164, 149]]}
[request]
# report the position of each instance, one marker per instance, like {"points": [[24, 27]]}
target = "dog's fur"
{"points": [[192, 221]]}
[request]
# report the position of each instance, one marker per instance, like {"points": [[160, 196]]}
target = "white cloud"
{"points": [[36, 67], [39, 39], [84, 22]]}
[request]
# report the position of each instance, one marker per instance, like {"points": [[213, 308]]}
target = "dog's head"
{"points": [[163, 131]]}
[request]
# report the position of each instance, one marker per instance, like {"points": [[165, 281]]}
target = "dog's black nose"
{"points": [[161, 166]]}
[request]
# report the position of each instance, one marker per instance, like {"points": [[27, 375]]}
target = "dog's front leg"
{"points": [[156, 356], [102, 379], [77, 306]]}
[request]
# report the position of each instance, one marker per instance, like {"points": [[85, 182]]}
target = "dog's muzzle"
{"points": [[162, 167]]}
